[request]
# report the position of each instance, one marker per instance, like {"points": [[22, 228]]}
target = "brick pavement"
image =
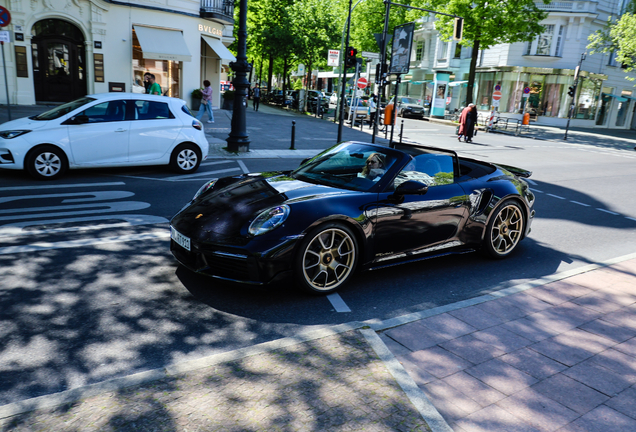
{"points": [[554, 357]]}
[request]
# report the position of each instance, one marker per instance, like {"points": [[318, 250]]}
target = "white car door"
{"points": [[99, 136], [153, 130]]}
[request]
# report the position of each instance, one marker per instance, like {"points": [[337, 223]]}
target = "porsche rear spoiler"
{"points": [[519, 172]]}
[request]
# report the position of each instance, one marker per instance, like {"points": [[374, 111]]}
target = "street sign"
{"points": [[526, 92], [497, 87], [333, 57], [496, 95], [370, 55], [362, 82], [5, 17], [5, 36]]}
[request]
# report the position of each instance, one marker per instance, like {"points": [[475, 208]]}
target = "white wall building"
{"points": [[64, 49], [543, 69]]}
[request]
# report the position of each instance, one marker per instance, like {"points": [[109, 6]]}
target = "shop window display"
{"points": [[167, 73]]}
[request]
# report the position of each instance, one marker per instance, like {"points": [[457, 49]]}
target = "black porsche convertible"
{"points": [[353, 206]]}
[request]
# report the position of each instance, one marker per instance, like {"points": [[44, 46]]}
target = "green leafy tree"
{"points": [[619, 37], [314, 31], [486, 23]]}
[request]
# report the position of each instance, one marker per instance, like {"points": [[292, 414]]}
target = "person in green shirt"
{"points": [[154, 89]]}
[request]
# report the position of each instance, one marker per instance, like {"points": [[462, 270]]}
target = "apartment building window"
{"points": [[443, 51], [419, 50], [549, 43], [458, 51]]}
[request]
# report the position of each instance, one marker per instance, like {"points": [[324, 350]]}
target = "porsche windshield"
{"points": [[356, 167]]}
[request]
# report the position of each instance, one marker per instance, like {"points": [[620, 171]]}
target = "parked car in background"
{"points": [[409, 107], [360, 110], [314, 97], [105, 130]]}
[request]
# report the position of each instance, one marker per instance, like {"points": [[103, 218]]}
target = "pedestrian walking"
{"points": [[467, 122], [147, 82], [256, 93], [154, 88], [206, 102], [372, 110]]}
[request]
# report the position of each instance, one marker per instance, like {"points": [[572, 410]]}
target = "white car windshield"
{"points": [[62, 109]]}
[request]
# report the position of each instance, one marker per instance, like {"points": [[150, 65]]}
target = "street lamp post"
{"points": [[238, 140], [344, 79]]}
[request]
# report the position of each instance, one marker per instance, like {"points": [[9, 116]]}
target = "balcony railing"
{"points": [[222, 10]]}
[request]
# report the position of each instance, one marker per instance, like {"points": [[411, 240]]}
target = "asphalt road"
{"points": [[90, 290]]}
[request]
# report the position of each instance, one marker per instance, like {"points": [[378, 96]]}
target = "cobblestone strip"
{"points": [[336, 383]]}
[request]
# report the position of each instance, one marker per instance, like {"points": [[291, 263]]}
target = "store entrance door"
{"points": [[59, 72]]}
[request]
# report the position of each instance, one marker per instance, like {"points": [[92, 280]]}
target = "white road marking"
{"points": [[630, 218], [536, 190], [95, 209], [556, 196], [338, 303], [21, 228], [607, 211], [532, 182], [84, 242], [580, 203], [95, 196], [243, 167], [61, 186], [199, 174]]}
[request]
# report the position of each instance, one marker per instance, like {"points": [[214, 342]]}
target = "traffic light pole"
{"points": [[344, 78], [380, 80], [572, 104]]}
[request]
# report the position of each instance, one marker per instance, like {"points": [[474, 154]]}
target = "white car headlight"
{"points": [[204, 188], [12, 133], [268, 220]]}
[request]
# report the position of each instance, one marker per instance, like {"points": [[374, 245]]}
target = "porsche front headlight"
{"points": [[268, 220]]}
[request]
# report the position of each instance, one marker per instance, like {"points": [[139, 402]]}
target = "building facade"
{"points": [[532, 77], [64, 49]]}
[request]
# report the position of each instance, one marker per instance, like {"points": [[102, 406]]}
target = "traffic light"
{"points": [[380, 71], [571, 91], [350, 59], [458, 28]]}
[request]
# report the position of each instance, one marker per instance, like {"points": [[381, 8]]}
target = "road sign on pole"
{"points": [[496, 95], [370, 55], [5, 17], [362, 83], [333, 57]]}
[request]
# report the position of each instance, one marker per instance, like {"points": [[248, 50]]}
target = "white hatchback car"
{"points": [[105, 130]]}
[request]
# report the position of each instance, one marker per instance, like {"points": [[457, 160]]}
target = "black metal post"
{"points": [[380, 79], [394, 111], [401, 130], [293, 137], [344, 77], [238, 140], [576, 84]]}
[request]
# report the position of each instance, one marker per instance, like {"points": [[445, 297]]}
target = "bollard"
{"points": [[293, 137], [401, 131]]}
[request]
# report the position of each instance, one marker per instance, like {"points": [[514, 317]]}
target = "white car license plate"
{"points": [[180, 239]]}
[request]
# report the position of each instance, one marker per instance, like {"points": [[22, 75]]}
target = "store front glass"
{"points": [[167, 72], [587, 102], [606, 103]]}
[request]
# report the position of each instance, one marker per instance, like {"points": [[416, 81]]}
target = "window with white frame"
{"points": [[443, 50], [419, 50], [549, 43]]}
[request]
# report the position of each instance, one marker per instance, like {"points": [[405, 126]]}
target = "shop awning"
{"points": [[456, 83], [618, 97], [162, 44], [217, 46]]}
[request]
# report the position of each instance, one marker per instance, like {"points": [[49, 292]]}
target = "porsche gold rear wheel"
{"points": [[327, 258], [505, 229]]}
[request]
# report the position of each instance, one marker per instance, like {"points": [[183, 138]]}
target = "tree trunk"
{"points": [[270, 72], [284, 81], [471, 73], [307, 87]]}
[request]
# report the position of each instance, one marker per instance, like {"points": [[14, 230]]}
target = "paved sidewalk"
{"points": [[556, 354], [555, 357]]}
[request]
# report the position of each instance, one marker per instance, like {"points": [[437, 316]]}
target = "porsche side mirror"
{"points": [[411, 187], [81, 119]]}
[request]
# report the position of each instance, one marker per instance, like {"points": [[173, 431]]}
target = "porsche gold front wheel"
{"points": [[504, 230], [327, 258]]}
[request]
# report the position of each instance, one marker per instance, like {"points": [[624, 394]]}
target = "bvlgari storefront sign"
{"points": [[211, 30]]}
